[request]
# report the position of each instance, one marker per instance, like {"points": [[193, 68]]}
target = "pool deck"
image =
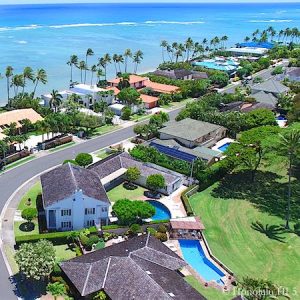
{"points": [[222, 143]]}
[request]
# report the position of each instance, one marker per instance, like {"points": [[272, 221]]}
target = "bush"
{"points": [[71, 161], [135, 228], [186, 202], [78, 251], [84, 159], [297, 228], [92, 240], [100, 245], [277, 70], [56, 271], [162, 229], [151, 230], [126, 113], [161, 236], [29, 213], [155, 182], [84, 240]]}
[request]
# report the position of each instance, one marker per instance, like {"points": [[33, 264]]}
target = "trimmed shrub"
{"points": [[84, 159], [83, 240], [92, 240], [161, 236], [78, 251], [135, 228], [162, 229], [186, 202], [29, 213], [71, 161], [110, 227]]}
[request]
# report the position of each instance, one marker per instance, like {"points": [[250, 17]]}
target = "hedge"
{"points": [[57, 238], [186, 202]]}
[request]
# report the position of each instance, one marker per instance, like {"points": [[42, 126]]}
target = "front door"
{"points": [[52, 218]]}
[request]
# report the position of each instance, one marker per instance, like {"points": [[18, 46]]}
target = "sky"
{"points": [[137, 1]]}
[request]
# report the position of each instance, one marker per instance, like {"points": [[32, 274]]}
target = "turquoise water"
{"points": [[161, 211], [193, 254], [224, 147], [226, 66], [44, 36]]}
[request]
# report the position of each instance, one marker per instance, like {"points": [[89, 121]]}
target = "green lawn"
{"points": [[19, 225], [62, 147], [32, 194], [105, 129], [63, 252], [228, 210], [102, 154], [120, 192]]}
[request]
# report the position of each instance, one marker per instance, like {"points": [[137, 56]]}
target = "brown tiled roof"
{"points": [[114, 89], [141, 268], [148, 99], [132, 79], [65, 180], [162, 88]]}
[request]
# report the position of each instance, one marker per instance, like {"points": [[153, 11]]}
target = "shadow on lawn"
{"points": [[273, 232], [266, 192]]}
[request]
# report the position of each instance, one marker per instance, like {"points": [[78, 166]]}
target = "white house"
{"points": [[74, 198], [89, 94]]}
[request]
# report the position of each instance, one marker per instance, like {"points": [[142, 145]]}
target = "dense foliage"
{"points": [[84, 159], [156, 182]]}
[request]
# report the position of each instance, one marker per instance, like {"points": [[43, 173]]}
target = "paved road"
{"points": [[10, 181]]}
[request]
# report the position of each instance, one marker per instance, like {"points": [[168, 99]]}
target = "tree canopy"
{"points": [[84, 159], [156, 182]]}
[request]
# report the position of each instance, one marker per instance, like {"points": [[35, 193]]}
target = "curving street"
{"points": [[11, 180]]}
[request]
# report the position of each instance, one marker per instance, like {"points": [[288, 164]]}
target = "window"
{"points": [[90, 211], [66, 225], [104, 209], [65, 212], [90, 223]]}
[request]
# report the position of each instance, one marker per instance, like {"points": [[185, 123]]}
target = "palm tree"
{"points": [[137, 59], [17, 81], [223, 40], [41, 76], [189, 45], [120, 61], [104, 61], [163, 45], [93, 70], [115, 60], [8, 75], [89, 52], [246, 39], [56, 100], [82, 66], [72, 62], [3, 149], [27, 74], [290, 146], [100, 74], [127, 54]]}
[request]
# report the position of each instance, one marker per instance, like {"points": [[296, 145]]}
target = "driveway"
{"points": [[11, 180]]}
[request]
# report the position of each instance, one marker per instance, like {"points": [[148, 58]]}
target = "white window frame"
{"points": [[65, 212], [90, 211]]}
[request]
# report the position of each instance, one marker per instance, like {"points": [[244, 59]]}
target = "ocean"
{"points": [[44, 36]]}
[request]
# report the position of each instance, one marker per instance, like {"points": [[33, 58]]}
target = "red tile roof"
{"points": [[162, 88], [148, 99], [132, 79], [113, 88]]}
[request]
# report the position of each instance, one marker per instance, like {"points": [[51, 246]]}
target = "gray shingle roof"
{"points": [[140, 268], [111, 164], [189, 129], [264, 97], [271, 86], [173, 74], [65, 180]]}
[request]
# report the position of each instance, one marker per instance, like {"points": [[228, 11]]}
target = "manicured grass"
{"points": [[19, 232], [32, 194], [63, 252], [208, 292], [105, 129], [19, 162], [102, 154], [139, 118], [244, 250], [62, 147], [120, 192]]}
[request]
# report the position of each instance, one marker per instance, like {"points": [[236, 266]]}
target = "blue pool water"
{"points": [[161, 211], [226, 66], [193, 254], [224, 147], [281, 118]]}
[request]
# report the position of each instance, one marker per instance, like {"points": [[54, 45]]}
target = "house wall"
{"points": [[77, 203]]}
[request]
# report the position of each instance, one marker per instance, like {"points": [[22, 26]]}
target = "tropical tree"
{"points": [[290, 147], [115, 60], [132, 174], [93, 71], [129, 96], [163, 45], [17, 81], [36, 260], [40, 76], [127, 55], [82, 66], [56, 100], [189, 45], [8, 75], [137, 59], [27, 75], [155, 182], [104, 62], [72, 63], [56, 289], [88, 53]]}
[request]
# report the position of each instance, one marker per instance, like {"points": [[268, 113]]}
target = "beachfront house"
{"points": [[88, 95], [180, 74], [139, 268], [135, 81], [73, 198], [17, 116], [192, 133]]}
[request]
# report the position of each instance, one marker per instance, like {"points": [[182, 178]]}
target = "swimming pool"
{"points": [[193, 254], [226, 65], [224, 147], [161, 211]]}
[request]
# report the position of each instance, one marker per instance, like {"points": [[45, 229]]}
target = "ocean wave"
{"points": [[175, 22], [270, 21], [93, 25], [29, 27], [22, 42]]}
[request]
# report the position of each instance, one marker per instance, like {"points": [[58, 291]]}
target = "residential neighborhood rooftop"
{"points": [[132, 79], [141, 268], [161, 88], [188, 129], [271, 86], [66, 180], [263, 97]]}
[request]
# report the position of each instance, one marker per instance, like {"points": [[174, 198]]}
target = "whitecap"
{"points": [[22, 42], [93, 25], [270, 21], [175, 22]]}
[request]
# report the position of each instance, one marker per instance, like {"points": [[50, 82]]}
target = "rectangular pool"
{"points": [[224, 147], [193, 254]]}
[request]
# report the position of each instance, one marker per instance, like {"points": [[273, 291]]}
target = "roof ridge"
{"points": [[73, 176], [106, 272], [147, 241], [87, 278]]}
